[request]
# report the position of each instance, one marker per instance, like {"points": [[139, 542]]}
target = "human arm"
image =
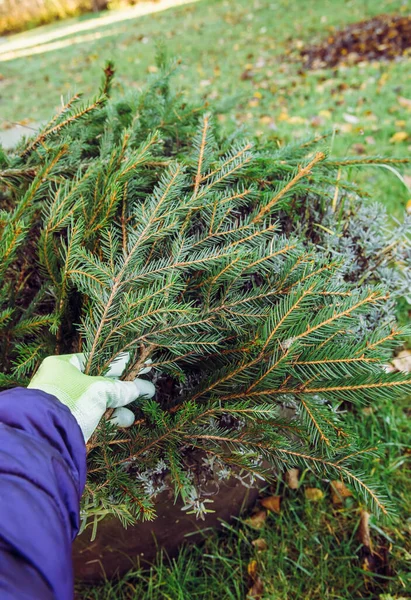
{"points": [[42, 476]]}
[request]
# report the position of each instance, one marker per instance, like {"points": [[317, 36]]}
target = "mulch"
{"points": [[385, 37]]}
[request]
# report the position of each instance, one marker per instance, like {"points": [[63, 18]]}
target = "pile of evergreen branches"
{"points": [[134, 227]]}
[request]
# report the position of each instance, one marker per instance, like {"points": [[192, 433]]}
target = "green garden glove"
{"points": [[89, 397]]}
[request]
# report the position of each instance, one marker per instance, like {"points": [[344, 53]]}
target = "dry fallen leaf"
{"points": [[291, 478], [359, 148], [398, 137], [257, 520], [152, 69], [408, 207], [316, 121], [325, 113], [365, 539], [364, 529], [247, 74], [283, 116], [272, 503], [296, 120], [339, 492], [265, 120], [350, 119], [403, 361], [404, 102], [260, 544], [256, 590], [257, 587], [313, 494]]}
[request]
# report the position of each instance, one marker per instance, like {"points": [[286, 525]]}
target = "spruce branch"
{"points": [[154, 235]]}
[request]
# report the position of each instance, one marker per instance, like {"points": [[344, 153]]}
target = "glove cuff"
{"points": [[57, 393]]}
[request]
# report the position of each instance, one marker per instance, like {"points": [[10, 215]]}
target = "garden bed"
{"points": [[116, 550]]}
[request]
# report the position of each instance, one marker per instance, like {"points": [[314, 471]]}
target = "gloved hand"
{"points": [[89, 397]]}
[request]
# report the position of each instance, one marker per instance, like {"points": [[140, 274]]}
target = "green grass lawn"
{"points": [[241, 57]]}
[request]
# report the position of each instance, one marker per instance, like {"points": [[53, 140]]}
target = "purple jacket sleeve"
{"points": [[42, 476]]}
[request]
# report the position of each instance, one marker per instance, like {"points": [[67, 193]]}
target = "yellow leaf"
{"points": [[258, 95], [325, 113], [296, 120], [398, 137], [313, 494], [283, 116], [382, 80], [272, 503], [400, 123], [253, 103], [152, 69], [252, 568], [408, 207], [266, 120]]}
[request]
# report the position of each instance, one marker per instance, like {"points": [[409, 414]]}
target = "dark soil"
{"points": [[116, 549], [385, 37]]}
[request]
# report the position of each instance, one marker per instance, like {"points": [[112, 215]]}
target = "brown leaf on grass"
{"points": [[374, 556], [246, 75], [256, 590], [291, 478], [359, 148], [272, 503], [339, 492], [313, 494], [364, 529], [260, 544], [367, 562], [257, 520]]}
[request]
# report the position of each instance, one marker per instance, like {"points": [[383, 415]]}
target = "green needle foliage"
{"points": [[134, 227]]}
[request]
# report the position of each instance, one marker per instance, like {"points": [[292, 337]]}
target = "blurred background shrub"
{"points": [[19, 15]]}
